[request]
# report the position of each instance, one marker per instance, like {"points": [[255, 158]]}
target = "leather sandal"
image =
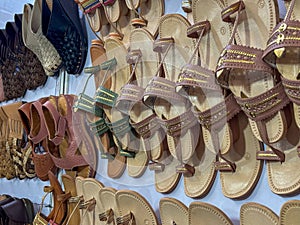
{"points": [[289, 212], [253, 213], [11, 70], [73, 214], [58, 213], [60, 127], [269, 124], [225, 129], [92, 205], [34, 39], [282, 53], [173, 211], [148, 14], [208, 214], [107, 198], [261, 97], [32, 66], [144, 63], [70, 40], [34, 125], [183, 130], [132, 208], [117, 122]]}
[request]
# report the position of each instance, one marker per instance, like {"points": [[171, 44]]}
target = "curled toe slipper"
{"points": [[252, 213], [173, 211], [132, 208], [201, 213], [290, 213]]}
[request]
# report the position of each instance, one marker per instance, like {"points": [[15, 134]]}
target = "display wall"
{"points": [[33, 188]]}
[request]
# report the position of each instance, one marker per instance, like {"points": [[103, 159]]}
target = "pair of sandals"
{"points": [[101, 204], [173, 211], [253, 213], [17, 62], [65, 202], [255, 70], [56, 142], [117, 18]]}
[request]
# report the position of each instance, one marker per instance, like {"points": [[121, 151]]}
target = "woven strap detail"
{"points": [[147, 127], [240, 57], [130, 95], [219, 114], [86, 103], [46, 53], [193, 75], [162, 88], [285, 34], [264, 105], [106, 97], [179, 125], [292, 89]]}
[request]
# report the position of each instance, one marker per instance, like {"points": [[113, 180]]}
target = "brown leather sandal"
{"points": [[258, 89], [33, 122], [60, 126], [282, 52]]}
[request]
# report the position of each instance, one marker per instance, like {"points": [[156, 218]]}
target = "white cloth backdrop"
{"points": [[33, 189]]}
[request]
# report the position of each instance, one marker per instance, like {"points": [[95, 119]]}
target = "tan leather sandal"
{"points": [[282, 53], [107, 198], [92, 206], [252, 213], [132, 208], [144, 64], [290, 212], [225, 129], [201, 213], [173, 211]]}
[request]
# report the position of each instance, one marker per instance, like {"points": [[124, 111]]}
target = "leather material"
{"points": [[65, 30], [207, 213], [34, 39], [173, 211], [59, 122]]}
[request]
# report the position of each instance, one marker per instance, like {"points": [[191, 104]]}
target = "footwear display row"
{"points": [[86, 201]]}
